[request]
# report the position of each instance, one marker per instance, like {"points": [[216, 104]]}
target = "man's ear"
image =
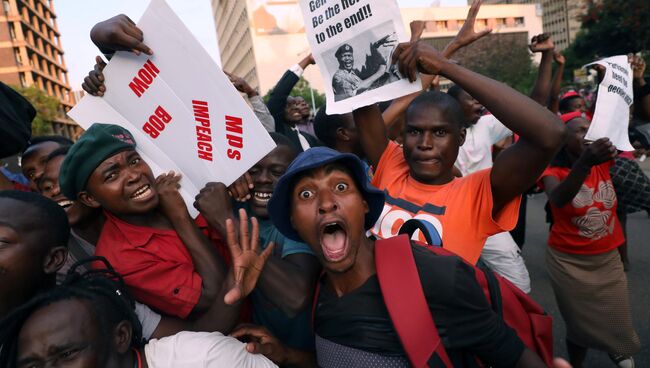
{"points": [[462, 135], [366, 208], [88, 200], [342, 134], [55, 259], [122, 335]]}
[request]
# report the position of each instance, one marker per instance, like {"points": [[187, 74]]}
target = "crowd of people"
{"points": [[102, 265]]}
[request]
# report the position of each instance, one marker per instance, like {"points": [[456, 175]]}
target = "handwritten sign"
{"points": [[615, 95], [181, 108], [352, 42]]}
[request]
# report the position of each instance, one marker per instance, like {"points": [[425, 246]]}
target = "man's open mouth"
{"points": [[334, 241], [143, 192], [65, 203]]}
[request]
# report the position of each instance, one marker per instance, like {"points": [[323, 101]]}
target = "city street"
{"points": [[638, 276]]}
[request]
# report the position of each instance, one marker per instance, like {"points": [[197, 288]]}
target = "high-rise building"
{"points": [[235, 41], [31, 54], [561, 17]]}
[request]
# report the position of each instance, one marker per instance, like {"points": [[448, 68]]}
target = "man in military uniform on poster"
{"points": [[348, 82]]}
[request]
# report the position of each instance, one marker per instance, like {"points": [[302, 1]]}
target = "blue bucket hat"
{"points": [[280, 203]]}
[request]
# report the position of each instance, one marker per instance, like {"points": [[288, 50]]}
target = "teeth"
{"points": [[263, 196], [142, 192], [65, 203]]}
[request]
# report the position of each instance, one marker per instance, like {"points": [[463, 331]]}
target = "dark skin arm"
{"points": [[465, 36], [542, 88], [288, 282], [541, 132], [561, 193], [554, 99], [207, 262]]}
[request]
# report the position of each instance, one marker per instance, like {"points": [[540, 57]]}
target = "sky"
{"points": [[77, 17]]}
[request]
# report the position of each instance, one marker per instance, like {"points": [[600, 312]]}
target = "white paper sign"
{"points": [[615, 95], [182, 110], [352, 42]]}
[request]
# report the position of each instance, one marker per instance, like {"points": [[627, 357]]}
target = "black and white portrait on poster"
{"points": [[363, 63], [353, 42]]}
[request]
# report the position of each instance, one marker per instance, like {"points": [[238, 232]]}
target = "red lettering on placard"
{"points": [[236, 138], [157, 122], [203, 131], [144, 79]]}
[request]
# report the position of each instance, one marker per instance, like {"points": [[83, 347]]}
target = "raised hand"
{"points": [[417, 57], [170, 200], [240, 190], [119, 34], [598, 152], [467, 35], [559, 58], [94, 82], [541, 42], [247, 263], [638, 66], [241, 85]]}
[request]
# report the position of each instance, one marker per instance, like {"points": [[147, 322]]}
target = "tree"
{"points": [[610, 27], [500, 56], [47, 108], [304, 90]]}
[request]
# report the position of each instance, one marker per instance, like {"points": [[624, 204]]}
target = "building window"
{"points": [[23, 82], [12, 32], [519, 22], [6, 6]]}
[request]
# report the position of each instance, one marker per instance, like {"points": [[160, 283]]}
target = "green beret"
{"points": [[98, 143], [343, 49]]}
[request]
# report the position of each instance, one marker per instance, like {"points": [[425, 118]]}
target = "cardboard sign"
{"points": [[615, 95], [181, 108], [353, 42]]}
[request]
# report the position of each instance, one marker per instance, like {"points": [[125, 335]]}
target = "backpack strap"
{"points": [[404, 298], [429, 231]]}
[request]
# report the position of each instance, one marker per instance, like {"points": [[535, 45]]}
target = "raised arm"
{"points": [[541, 132], [207, 262], [554, 99], [560, 193], [542, 88], [465, 36], [372, 132], [282, 89], [641, 88]]}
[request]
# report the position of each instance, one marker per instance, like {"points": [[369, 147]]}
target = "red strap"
{"points": [[404, 298]]}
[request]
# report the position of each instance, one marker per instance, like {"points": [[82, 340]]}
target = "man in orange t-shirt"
{"points": [[418, 178]]}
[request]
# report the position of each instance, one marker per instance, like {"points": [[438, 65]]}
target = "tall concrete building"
{"points": [[31, 54], [235, 41], [561, 17]]}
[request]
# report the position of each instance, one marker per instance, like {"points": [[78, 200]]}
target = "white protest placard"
{"points": [[352, 42], [182, 110], [615, 95]]}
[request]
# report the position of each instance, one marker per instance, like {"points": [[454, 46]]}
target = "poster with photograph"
{"points": [[353, 42]]}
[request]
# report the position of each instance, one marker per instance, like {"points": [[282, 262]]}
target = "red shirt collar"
{"points": [[136, 235]]}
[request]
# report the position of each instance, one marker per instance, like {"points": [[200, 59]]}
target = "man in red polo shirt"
{"points": [[149, 236]]}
